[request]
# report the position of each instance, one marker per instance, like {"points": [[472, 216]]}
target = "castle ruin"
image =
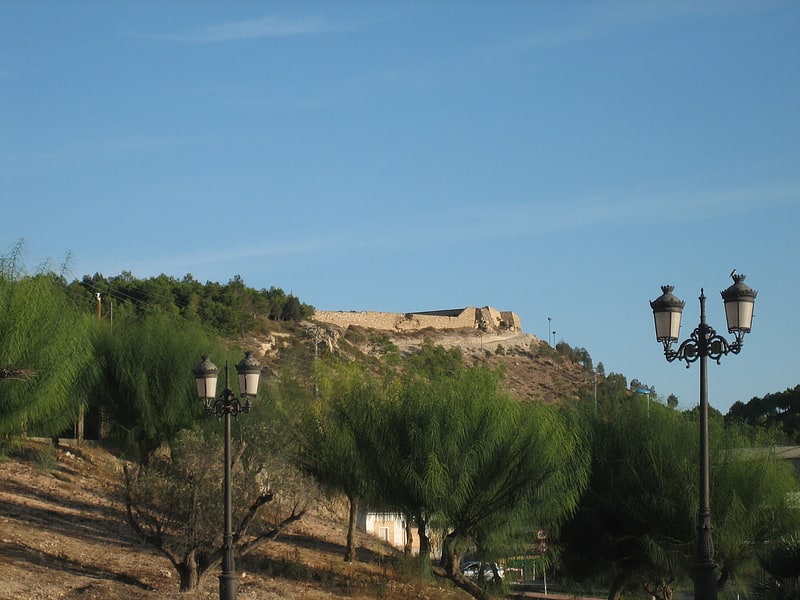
{"points": [[485, 319]]}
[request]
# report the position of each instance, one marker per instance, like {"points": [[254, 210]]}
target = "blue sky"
{"points": [[557, 159]]}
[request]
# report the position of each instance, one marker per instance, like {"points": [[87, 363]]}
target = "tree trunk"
{"points": [[190, 576], [724, 576], [350, 549], [451, 558], [615, 591], [424, 541], [409, 545], [495, 573], [663, 590], [451, 564], [80, 426]]}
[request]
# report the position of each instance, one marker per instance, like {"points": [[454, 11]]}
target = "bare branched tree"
{"points": [[16, 373], [174, 503]]}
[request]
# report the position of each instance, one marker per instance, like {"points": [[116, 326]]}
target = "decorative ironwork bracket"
{"points": [[704, 341], [227, 403]]}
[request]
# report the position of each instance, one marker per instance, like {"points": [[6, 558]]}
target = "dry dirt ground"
{"points": [[63, 536]]}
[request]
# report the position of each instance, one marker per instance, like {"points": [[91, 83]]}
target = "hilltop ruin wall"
{"points": [[486, 318]]}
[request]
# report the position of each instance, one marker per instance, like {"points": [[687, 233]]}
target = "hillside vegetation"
{"points": [[120, 346], [479, 440]]}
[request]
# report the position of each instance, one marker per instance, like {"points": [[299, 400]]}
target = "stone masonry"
{"points": [[486, 318]]}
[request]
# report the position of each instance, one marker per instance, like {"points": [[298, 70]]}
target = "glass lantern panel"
{"points": [[739, 315], [668, 325], [206, 386], [248, 383]]}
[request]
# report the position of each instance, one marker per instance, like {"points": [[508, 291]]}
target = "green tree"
{"points": [[292, 310], [611, 387], [158, 295], [782, 563], [401, 452], [583, 358], [636, 521], [148, 387], [275, 298], [502, 466], [482, 463], [751, 490], [46, 349], [780, 410], [331, 440], [432, 361], [230, 309], [452, 449]]}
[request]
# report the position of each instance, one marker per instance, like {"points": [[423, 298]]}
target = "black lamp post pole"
{"points": [[228, 580], [704, 343], [224, 407], [705, 580]]}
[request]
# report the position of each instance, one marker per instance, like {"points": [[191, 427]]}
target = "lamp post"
{"points": [[227, 404], [703, 343]]}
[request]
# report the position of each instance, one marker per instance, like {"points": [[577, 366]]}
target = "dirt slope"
{"points": [[534, 370], [63, 536]]}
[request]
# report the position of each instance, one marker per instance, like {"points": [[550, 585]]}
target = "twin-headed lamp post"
{"points": [[703, 343], [205, 375]]}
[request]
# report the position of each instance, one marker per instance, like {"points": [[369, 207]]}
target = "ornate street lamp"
{"points": [[703, 343], [227, 404]]}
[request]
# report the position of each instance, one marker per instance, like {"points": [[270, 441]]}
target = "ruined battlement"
{"points": [[486, 319]]}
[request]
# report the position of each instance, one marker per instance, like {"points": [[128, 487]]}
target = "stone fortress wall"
{"points": [[486, 319]]}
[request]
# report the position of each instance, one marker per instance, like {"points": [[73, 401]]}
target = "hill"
{"points": [[62, 522], [534, 371]]}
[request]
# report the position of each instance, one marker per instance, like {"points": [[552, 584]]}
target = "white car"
{"points": [[472, 568]]}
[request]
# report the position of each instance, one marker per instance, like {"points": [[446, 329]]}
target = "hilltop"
{"points": [[534, 371]]}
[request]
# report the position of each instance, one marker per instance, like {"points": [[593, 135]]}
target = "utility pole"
{"points": [[317, 331], [80, 424]]}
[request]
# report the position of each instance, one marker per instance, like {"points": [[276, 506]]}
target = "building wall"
{"points": [[389, 527], [512, 320], [469, 317]]}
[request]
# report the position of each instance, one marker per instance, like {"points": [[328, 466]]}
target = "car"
{"points": [[472, 569]]}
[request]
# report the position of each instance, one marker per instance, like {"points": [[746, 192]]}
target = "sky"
{"points": [[561, 160]]}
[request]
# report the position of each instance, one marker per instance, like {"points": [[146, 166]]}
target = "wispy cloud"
{"points": [[288, 251], [646, 205], [84, 151], [474, 225], [266, 27], [609, 19]]}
